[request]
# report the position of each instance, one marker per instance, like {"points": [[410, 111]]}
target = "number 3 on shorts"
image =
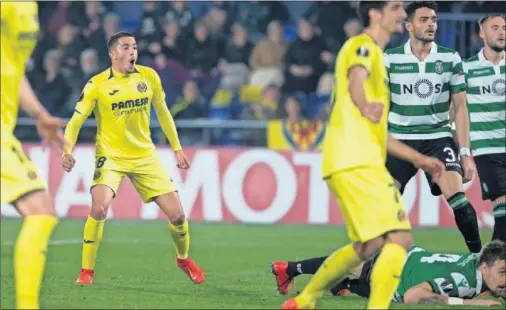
{"points": [[451, 155], [100, 162]]}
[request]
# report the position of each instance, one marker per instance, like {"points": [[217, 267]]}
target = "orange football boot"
{"points": [[192, 270], [291, 304], [283, 280], [86, 277]]}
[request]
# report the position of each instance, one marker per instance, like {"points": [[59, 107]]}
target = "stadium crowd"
{"points": [[222, 60]]}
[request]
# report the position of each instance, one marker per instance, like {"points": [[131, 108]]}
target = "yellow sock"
{"points": [[93, 231], [333, 270], [386, 275], [181, 239], [30, 258]]}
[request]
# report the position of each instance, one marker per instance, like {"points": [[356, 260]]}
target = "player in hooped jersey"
{"points": [[429, 277], [21, 185], [121, 99], [424, 79], [486, 102], [353, 163]]}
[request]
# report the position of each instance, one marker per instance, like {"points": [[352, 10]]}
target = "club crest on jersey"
{"points": [[32, 175], [438, 67], [142, 87]]}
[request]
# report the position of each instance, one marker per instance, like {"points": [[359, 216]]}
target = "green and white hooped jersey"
{"points": [[420, 91], [486, 104]]}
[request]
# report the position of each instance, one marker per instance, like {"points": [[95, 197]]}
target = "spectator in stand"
{"points": [[219, 19], [90, 65], [160, 66], [98, 39], [234, 64], [202, 52], [263, 109], [173, 45], [51, 87], [53, 15], [292, 110], [70, 47], [91, 20], [303, 60], [148, 30], [256, 15], [267, 57], [178, 12], [329, 18], [191, 105]]}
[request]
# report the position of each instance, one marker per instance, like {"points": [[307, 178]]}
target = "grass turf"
{"points": [[136, 265]]}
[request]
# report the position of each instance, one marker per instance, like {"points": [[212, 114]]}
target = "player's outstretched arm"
{"points": [[48, 126], [84, 107], [431, 165], [370, 110], [424, 294]]}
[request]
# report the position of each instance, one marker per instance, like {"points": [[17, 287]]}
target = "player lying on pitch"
{"points": [[427, 277]]}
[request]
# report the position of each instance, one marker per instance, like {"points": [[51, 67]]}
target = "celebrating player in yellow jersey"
{"points": [[354, 155], [120, 98], [20, 184]]}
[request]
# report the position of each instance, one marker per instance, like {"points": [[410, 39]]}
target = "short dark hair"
{"points": [[489, 16], [113, 40], [413, 6], [365, 6], [492, 252]]}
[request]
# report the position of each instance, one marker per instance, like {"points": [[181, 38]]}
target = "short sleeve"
{"points": [[87, 100], [458, 79], [361, 55], [444, 286]]}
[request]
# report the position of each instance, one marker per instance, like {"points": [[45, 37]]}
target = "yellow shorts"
{"points": [[148, 175], [370, 203], [19, 175]]}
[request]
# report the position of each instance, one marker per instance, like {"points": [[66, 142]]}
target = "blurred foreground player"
{"points": [[486, 102], [121, 99], [354, 155], [21, 186], [434, 278]]}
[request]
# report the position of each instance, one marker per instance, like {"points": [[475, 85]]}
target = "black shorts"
{"points": [[444, 149], [492, 172]]}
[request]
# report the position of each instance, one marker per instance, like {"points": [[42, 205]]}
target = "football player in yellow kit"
{"points": [[21, 186], [121, 99], [353, 163]]}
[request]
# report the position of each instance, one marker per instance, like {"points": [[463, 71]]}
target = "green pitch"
{"points": [[136, 267]]}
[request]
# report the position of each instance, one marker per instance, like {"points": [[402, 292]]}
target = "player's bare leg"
{"points": [[171, 206], [335, 268], [451, 185], [499, 207], [39, 215], [101, 198]]}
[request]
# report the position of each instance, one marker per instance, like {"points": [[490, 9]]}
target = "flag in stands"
{"points": [[297, 136]]}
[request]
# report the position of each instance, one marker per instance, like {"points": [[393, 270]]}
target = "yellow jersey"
{"points": [[20, 27], [122, 107], [351, 140]]}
